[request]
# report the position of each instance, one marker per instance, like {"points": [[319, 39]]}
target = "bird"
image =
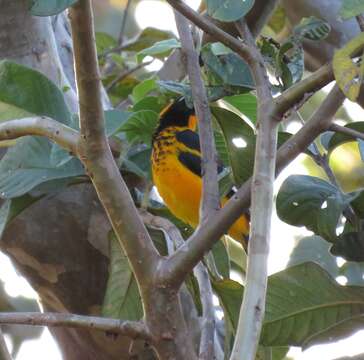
{"points": [[176, 168]]}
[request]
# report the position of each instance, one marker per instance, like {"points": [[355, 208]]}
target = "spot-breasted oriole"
{"points": [[176, 167]]}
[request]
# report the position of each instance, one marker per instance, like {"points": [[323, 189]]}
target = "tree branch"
{"points": [[95, 151], [210, 190], [43, 126], [208, 315], [347, 131], [185, 258], [253, 307], [211, 29], [201, 274], [319, 122], [132, 329]]}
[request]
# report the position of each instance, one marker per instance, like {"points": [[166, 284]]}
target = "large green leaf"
{"points": [[24, 91], [122, 299], [228, 10], [147, 38], [28, 164], [350, 246], [49, 7], [160, 49], [141, 90], [245, 103], [312, 202], [140, 126], [241, 158], [228, 67], [314, 249], [351, 8], [304, 306], [104, 42]]}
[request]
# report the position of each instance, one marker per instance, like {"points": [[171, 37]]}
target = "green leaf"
{"points": [[289, 62], [160, 49], [147, 38], [228, 10], [304, 306], [104, 42], [142, 89], [28, 164], [241, 158], [350, 246], [114, 119], [122, 299], [140, 126], [229, 68], [49, 7], [278, 19], [138, 162], [245, 104], [338, 139], [351, 8], [230, 294], [221, 258], [312, 28], [24, 91], [312, 202], [149, 103], [348, 73], [314, 249]]}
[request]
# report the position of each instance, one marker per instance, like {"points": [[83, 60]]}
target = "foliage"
{"points": [[305, 304]]}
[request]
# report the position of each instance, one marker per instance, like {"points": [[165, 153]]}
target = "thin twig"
{"points": [[123, 22], [208, 315], [132, 329], [211, 29], [347, 131], [126, 73], [4, 351], [210, 202]]}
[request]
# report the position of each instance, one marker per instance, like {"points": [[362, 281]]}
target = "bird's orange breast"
{"points": [[180, 188]]}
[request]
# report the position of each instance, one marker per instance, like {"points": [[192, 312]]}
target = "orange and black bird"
{"points": [[176, 167]]}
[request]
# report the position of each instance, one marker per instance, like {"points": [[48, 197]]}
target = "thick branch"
{"points": [[43, 126], [310, 84], [210, 190], [132, 329], [319, 122], [95, 151], [253, 306]]}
